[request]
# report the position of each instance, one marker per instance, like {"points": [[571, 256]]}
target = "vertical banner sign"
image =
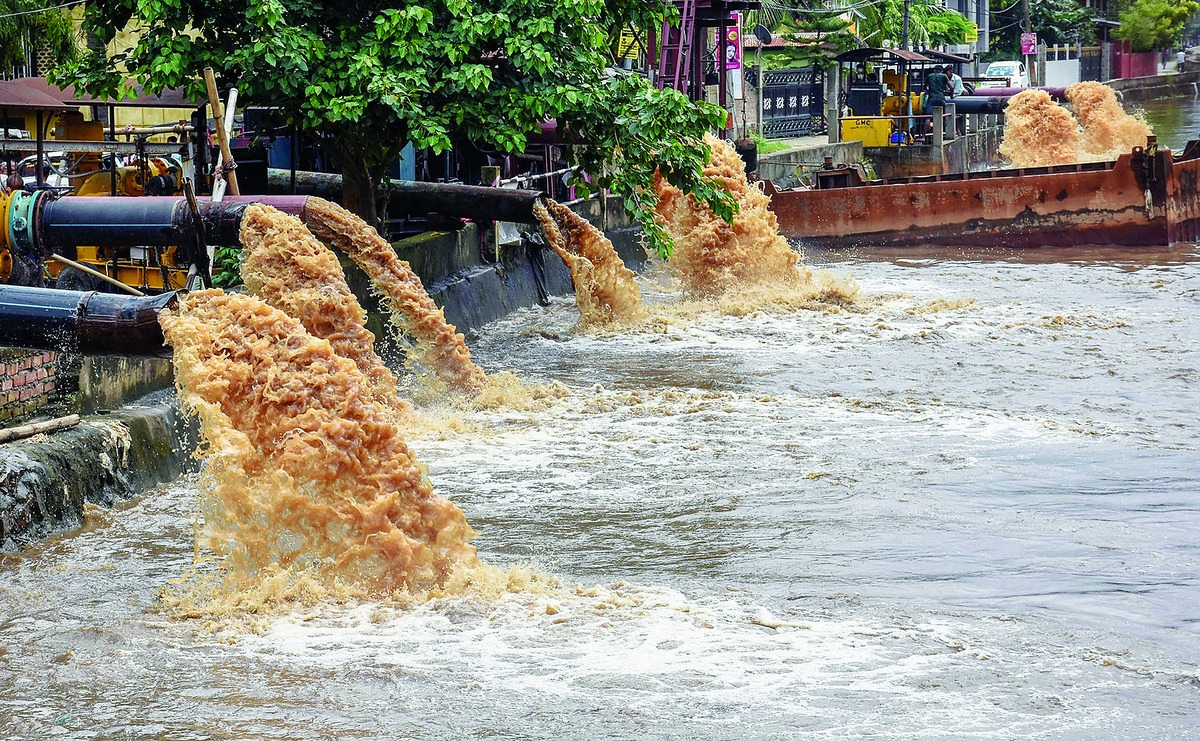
{"points": [[1028, 43], [733, 55], [733, 42]]}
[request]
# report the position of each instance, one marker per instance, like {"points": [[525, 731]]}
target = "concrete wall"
{"points": [[1136, 89], [461, 272], [1062, 73], [45, 480], [794, 163]]}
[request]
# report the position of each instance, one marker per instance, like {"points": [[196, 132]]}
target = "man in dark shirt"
{"points": [[937, 89]]}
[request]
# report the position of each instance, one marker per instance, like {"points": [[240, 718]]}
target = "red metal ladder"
{"points": [[674, 58]]}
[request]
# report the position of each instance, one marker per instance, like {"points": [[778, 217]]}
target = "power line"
{"points": [[41, 10], [823, 11]]}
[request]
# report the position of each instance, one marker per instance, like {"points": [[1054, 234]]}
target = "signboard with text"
{"points": [[628, 46], [1028, 43]]}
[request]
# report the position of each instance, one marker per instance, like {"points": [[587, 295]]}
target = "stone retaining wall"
{"points": [[45, 480], [29, 379]]}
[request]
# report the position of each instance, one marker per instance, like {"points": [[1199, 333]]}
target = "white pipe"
{"points": [[219, 187]]}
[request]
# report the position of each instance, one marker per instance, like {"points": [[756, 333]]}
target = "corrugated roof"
{"points": [[173, 98], [870, 54], [945, 56], [17, 96]]}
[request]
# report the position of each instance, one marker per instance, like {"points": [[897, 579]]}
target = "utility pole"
{"points": [[1028, 27], [904, 40]]}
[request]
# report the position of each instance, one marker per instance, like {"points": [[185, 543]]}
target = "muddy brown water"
{"points": [[969, 510], [967, 506]]}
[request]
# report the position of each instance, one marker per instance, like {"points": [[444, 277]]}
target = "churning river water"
{"points": [[968, 508]]}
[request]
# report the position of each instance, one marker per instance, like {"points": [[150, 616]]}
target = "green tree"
{"points": [[929, 24], [1054, 21], [1152, 25], [1062, 22], [370, 75], [33, 23]]}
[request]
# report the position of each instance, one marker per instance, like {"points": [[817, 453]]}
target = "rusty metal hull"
{"points": [[1141, 199]]}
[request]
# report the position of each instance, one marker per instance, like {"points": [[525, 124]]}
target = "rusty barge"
{"points": [[1145, 198]]}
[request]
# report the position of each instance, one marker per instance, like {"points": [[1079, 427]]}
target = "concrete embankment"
{"points": [[1138, 89], [475, 282], [46, 480]]}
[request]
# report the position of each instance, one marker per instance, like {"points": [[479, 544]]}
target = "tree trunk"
{"points": [[358, 188]]}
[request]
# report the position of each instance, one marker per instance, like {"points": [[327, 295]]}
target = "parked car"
{"points": [[1014, 74], [54, 167]]}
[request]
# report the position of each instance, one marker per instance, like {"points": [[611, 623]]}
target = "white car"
{"points": [[1014, 74], [54, 165]]}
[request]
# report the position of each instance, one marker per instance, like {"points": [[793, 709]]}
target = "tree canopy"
{"points": [[1054, 21], [830, 30], [26, 23], [1153, 25], [929, 24], [371, 75]]}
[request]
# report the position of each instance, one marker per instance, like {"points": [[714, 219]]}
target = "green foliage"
{"points": [[766, 146], [791, 57], [948, 27], [929, 24], [227, 267], [50, 27], [1062, 22], [1054, 21], [374, 74], [815, 39], [1152, 25], [642, 123]]}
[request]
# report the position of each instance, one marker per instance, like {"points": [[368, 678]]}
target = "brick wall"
{"points": [[29, 378]]}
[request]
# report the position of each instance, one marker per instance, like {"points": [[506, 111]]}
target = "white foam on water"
{"points": [[712, 662]]}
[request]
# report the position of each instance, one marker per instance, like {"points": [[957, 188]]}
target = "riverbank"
{"points": [[47, 480], [1140, 89], [120, 451]]}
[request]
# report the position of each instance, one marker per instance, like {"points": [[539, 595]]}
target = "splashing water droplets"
{"points": [[1040, 132], [304, 469], [605, 290], [438, 346]]}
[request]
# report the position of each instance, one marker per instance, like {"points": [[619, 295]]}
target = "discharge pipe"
{"points": [[85, 322], [1057, 93], [150, 220], [414, 197], [47, 225]]}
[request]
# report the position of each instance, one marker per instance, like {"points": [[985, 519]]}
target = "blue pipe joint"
{"points": [[22, 221]]}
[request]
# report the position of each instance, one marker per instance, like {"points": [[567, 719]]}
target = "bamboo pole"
{"points": [[98, 274], [52, 425], [218, 193], [214, 100]]}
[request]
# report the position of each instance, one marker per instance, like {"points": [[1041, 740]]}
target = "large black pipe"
{"points": [[88, 322], [979, 104], [414, 197], [130, 222]]}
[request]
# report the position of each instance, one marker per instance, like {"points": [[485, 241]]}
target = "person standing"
{"points": [[937, 89], [956, 82]]}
